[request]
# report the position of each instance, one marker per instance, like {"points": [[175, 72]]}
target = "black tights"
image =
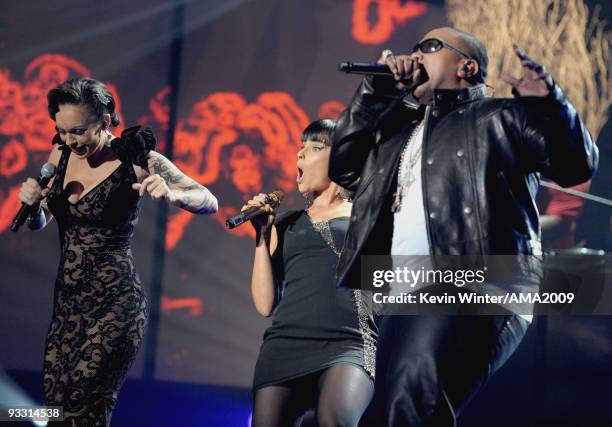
{"points": [[339, 394]]}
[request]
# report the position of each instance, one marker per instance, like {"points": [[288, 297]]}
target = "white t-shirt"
{"points": [[410, 230]]}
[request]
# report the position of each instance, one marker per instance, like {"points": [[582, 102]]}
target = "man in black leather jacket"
{"points": [[478, 162]]}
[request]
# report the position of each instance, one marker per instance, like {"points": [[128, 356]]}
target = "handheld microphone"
{"points": [[273, 199], [46, 173], [368, 69], [365, 68]]}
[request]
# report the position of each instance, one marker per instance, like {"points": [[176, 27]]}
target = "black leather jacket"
{"points": [[481, 162]]}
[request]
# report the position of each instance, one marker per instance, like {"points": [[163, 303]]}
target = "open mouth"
{"points": [[300, 175], [423, 76], [80, 150]]}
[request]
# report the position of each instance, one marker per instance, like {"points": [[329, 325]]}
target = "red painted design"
{"points": [[331, 110], [194, 306], [377, 28], [13, 158], [251, 146]]}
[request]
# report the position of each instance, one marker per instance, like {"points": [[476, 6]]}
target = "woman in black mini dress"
{"points": [[319, 351]]}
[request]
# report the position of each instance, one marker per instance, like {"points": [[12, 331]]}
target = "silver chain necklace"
{"points": [[403, 182]]}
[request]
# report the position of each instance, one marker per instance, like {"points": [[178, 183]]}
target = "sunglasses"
{"points": [[434, 45]]}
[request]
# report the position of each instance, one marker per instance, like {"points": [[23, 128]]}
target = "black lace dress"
{"points": [[100, 310]]}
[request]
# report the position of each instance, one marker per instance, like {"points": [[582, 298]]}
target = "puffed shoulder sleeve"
{"points": [[134, 145]]}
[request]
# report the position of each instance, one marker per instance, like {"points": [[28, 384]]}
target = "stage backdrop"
{"points": [[248, 76]]}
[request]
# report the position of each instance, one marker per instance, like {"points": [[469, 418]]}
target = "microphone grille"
{"points": [[48, 170]]}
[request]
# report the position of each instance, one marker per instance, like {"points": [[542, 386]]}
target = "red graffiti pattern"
{"points": [[226, 139], [331, 110], [194, 306], [377, 27]]}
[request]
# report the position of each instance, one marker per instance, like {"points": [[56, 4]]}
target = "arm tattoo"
{"points": [[164, 168], [190, 195]]}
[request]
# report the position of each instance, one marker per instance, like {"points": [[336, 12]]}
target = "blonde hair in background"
{"points": [[573, 45]]}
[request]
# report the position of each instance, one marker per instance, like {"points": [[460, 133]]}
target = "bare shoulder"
{"points": [[54, 158], [55, 155]]}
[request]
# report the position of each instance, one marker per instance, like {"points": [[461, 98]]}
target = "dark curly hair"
{"points": [[92, 94]]}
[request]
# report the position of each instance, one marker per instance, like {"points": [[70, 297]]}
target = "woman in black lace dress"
{"points": [[319, 352], [100, 310]]}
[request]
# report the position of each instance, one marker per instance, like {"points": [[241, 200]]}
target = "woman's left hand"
{"points": [[157, 188]]}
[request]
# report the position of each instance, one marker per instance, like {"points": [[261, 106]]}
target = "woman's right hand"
{"points": [[261, 222], [31, 192]]}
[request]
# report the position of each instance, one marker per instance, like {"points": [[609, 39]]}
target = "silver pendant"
{"points": [[397, 202]]}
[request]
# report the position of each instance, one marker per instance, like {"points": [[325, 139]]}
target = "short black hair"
{"points": [[90, 93], [478, 52], [323, 131], [320, 131]]}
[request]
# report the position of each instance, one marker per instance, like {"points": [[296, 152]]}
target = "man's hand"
{"points": [[405, 70], [535, 80]]}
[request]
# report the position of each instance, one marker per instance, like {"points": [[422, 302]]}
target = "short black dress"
{"points": [[316, 324]]}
